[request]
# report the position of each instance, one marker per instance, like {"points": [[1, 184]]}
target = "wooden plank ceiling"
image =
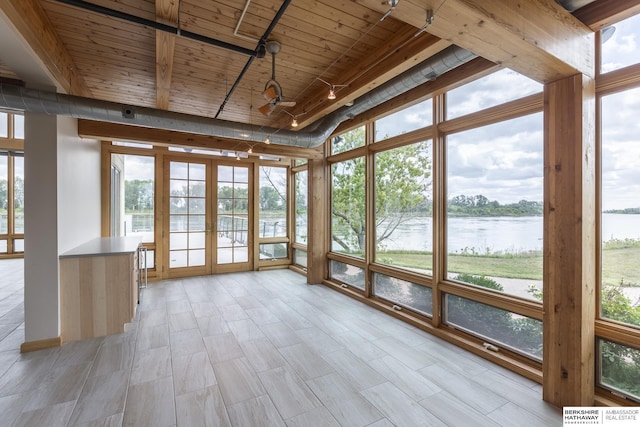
{"points": [[343, 42], [130, 63]]}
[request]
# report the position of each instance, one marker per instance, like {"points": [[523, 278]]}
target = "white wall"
{"points": [[41, 228], [62, 210], [78, 186]]}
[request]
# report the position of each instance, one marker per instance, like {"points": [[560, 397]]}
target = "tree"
{"points": [[138, 195], [402, 181]]}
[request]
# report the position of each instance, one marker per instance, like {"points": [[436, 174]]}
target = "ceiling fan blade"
{"points": [[270, 93], [266, 109], [287, 103]]}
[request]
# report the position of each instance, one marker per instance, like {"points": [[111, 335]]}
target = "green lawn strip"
{"points": [[617, 264]]}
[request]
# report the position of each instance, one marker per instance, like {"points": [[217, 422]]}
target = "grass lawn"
{"points": [[617, 264]]}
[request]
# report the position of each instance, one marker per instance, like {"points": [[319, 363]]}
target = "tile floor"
{"points": [[254, 349]]}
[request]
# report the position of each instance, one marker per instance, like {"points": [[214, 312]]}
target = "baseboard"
{"points": [[27, 347]]}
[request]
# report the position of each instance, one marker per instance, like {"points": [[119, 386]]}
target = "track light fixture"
{"points": [[294, 119], [267, 141], [332, 88]]}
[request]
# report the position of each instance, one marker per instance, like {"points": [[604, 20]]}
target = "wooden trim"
{"points": [[439, 211], [347, 259], [317, 220], [29, 346], [348, 155], [618, 332], [542, 40], [402, 140], [507, 111], [298, 269], [603, 13], [113, 131], [409, 276], [618, 80], [494, 298], [11, 143]]}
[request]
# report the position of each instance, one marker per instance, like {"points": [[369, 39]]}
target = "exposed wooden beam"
{"points": [[167, 13], [395, 56], [537, 38], [31, 22], [118, 132], [603, 13]]}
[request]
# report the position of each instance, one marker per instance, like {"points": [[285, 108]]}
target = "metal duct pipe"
{"points": [[30, 100]]}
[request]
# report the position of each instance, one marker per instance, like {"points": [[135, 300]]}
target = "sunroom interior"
{"points": [[489, 198]]}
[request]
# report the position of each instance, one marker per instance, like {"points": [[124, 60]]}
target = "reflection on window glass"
{"points": [[349, 274], [273, 250], [348, 225], [494, 206], [403, 207], [619, 368], [621, 44], [18, 126], [520, 333], [495, 89], [407, 120], [402, 292], [137, 182], [301, 207], [18, 195], [273, 202], [4, 125], [348, 141], [620, 218], [300, 258]]}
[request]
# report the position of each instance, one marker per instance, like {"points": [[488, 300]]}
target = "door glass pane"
{"points": [[187, 213], [18, 195], [18, 245], [232, 228]]}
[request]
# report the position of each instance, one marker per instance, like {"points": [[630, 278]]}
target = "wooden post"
{"points": [[317, 229], [569, 241]]}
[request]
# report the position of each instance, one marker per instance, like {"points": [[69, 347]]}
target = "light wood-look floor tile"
{"points": [[343, 401], [399, 408], [305, 362], [305, 347], [258, 411], [150, 404], [237, 381], [288, 392], [203, 407], [192, 372]]}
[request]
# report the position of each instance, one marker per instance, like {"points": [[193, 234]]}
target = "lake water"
{"points": [[507, 234]]}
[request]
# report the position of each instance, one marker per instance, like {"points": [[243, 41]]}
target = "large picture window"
{"points": [[348, 216], [403, 207], [494, 206], [273, 201]]}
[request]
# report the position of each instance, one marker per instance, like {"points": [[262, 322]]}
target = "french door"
{"points": [[209, 224]]}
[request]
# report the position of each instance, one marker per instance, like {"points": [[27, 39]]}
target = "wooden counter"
{"points": [[98, 287]]}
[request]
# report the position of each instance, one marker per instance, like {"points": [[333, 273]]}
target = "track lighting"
{"points": [[294, 119], [294, 123], [237, 156], [267, 141], [250, 150], [332, 88]]}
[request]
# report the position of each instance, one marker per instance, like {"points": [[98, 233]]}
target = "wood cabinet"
{"points": [[98, 287]]}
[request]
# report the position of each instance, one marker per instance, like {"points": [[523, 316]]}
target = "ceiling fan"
{"points": [[272, 90]]}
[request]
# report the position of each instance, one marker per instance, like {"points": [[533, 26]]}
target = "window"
{"points": [[18, 126], [494, 206], [621, 44], [348, 226], [406, 120], [403, 207], [273, 202], [233, 214], [11, 202], [4, 125], [300, 235], [619, 368], [519, 333], [346, 273], [620, 217], [495, 89], [348, 140], [407, 294]]}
